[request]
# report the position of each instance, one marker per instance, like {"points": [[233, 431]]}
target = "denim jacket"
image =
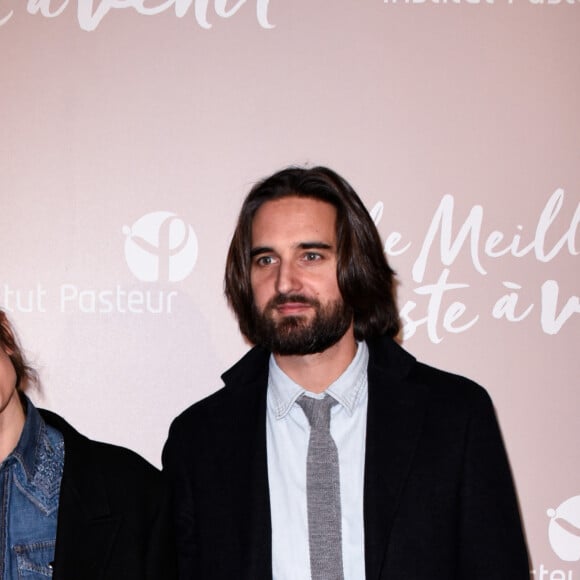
{"points": [[30, 480]]}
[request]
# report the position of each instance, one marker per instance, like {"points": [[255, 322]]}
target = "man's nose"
{"points": [[288, 279]]}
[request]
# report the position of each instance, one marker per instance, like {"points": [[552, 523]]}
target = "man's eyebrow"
{"points": [[260, 250], [301, 246], [314, 246]]}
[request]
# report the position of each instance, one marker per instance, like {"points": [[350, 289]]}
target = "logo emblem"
{"points": [[564, 529], [160, 247]]}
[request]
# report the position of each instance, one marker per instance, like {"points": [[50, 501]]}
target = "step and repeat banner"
{"points": [[132, 130]]}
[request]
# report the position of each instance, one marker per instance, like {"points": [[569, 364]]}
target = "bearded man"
{"points": [[331, 453]]}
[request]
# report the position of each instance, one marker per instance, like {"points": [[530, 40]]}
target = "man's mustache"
{"points": [[281, 299]]}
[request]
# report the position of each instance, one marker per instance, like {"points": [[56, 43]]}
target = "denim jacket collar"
{"points": [[39, 458], [26, 451]]}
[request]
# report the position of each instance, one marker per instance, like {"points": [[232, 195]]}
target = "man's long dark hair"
{"points": [[365, 279]]}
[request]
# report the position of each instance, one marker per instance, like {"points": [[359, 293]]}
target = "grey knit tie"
{"points": [[322, 492]]}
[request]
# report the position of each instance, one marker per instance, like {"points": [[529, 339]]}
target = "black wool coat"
{"points": [[439, 501]]}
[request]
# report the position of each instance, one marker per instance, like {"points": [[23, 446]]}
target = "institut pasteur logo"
{"points": [[564, 529], [160, 247]]}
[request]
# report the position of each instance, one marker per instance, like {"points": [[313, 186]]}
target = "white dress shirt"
{"points": [[288, 432]]}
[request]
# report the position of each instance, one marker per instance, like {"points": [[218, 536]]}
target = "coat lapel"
{"points": [[395, 414], [259, 549], [248, 380], [86, 527]]}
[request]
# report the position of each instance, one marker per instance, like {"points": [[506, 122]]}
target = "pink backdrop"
{"points": [[131, 135]]}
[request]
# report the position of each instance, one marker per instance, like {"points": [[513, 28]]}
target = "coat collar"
{"points": [[385, 355], [252, 367]]}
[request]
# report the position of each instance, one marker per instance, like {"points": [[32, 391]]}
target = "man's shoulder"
{"points": [[122, 460], [442, 378], [447, 387], [245, 381], [203, 410]]}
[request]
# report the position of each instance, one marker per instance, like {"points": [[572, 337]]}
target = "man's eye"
{"points": [[264, 260], [312, 256]]}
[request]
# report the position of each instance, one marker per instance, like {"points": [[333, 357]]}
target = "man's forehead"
{"points": [[307, 209], [299, 222], [295, 201]]}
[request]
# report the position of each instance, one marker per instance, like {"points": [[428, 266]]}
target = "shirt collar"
{"points": [[28, 447], [347, 389]]}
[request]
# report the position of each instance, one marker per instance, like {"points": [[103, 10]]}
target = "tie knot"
{"points": [[317, 411]]}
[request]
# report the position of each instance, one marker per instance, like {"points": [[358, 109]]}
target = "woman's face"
{"points": [[8, 395]]}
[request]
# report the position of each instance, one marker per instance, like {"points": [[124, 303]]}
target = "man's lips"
{"points": [[289, 308], [291, 305]]}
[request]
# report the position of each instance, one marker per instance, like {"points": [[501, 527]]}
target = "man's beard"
{"points": [[296, 335]]}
